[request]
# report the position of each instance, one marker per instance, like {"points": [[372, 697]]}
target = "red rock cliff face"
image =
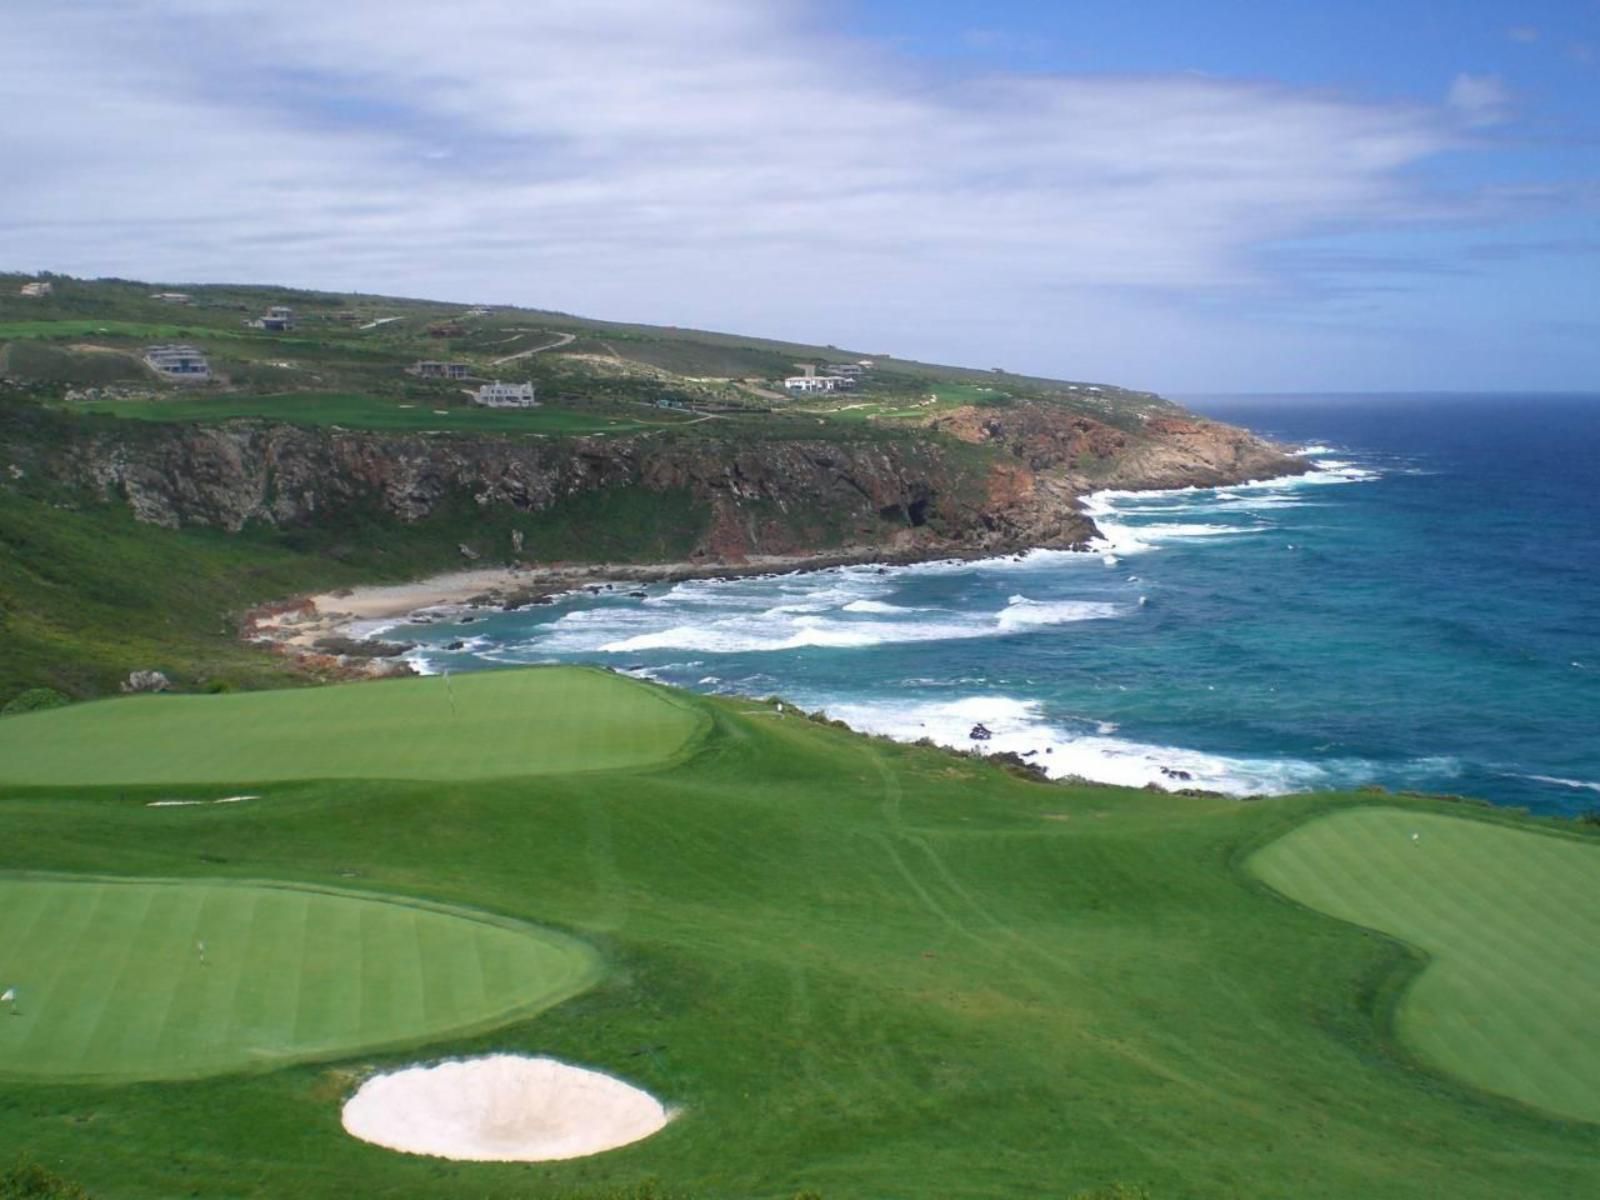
{"points": [[904, 497]]}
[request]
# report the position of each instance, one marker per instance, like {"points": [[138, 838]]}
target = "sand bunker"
{"points": [[501, 1108]]}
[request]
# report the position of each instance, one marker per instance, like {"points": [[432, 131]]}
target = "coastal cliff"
{"points": [[972, 481]]}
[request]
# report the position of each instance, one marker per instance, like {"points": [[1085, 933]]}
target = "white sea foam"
{"points": [[1022, 613], [1021, 727], [1584, 784], [1314, 450], [770, 630], [877, 606]]}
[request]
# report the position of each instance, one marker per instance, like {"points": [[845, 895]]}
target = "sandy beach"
{"points": [[311, 624]]}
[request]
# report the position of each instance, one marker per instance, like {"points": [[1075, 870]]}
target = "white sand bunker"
{"points": [[502, 1108]]}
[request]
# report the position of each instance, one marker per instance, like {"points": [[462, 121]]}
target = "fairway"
{"points": [[480, 726], [1510, 919], [112, 986]]}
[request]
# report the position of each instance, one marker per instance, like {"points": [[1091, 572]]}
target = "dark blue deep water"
{"points": [[1422, 611]]}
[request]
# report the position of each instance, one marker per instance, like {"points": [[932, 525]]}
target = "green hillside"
{"points": [[82, 345]]}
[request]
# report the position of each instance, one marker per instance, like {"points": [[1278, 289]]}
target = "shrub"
{"points": [[30, 1181], [1115, 1191], [35, 700]]}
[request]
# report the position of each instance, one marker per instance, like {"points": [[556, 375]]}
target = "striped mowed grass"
{"points": [[1509, 919], [485, 725], [112, 983]]}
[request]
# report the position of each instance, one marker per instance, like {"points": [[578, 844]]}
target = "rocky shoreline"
{"points": [[324, 633]]}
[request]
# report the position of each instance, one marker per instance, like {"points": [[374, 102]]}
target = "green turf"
{"points": [[478, 726], [112, 986], [868, 969], [1510, 920]]}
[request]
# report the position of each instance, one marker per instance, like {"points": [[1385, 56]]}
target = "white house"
{"points": [[179, 363], [808, 383], [37, 289], [506, 395], [818, 383]]}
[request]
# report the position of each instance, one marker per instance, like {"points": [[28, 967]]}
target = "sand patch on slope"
{"points": [[501, 1108]]}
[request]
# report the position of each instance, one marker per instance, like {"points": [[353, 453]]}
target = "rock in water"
{"points": [[980, 733]]}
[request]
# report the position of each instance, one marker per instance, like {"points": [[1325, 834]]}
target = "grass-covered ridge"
{"points": [[345, 362], [858, 967]]}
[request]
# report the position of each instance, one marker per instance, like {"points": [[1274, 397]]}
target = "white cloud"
{"points": [[1480, 99], [709, 161]]}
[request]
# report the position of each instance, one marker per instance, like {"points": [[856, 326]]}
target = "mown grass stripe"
{"points": [[290, 974]]}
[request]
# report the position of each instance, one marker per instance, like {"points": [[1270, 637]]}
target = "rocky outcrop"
{"points": [[923, 493]]}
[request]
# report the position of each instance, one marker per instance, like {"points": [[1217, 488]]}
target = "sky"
{"points": [[1180, 195]]}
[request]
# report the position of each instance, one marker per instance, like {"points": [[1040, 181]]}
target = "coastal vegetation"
{"points": [[854, 967]]}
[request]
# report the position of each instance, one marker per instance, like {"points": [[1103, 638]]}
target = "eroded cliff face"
{"points": [[927, 493]]}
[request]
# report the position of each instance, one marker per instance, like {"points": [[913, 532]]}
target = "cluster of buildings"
{"points": [[172, 297], [36, 290], [836, 377], [490, 395], [427, 368], [179, 363]]}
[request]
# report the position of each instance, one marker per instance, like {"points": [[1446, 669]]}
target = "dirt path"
{"points": [[562, 339]]}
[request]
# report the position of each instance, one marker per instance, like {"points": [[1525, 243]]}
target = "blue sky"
{"points": [[1181, 196]]}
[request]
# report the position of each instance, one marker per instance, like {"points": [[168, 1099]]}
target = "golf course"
{"points": [[155, 980], [844, 965]]}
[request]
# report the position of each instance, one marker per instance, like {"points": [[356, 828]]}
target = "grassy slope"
{"points": [[871, 969], [506, 723], [116, 989], [608, 371], [1510, 920], [373, 412]]}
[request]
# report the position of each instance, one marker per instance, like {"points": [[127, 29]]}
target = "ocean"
{"points": [[1421, 611]]}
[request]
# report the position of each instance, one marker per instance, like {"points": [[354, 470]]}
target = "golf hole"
{"points": [[501, 1108]]}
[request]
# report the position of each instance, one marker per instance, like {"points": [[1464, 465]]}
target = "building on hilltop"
{"points": [[427, 368], [172, 297], [819, 383], [179, 363], [37, 289], [278, 319], [506, 395]]}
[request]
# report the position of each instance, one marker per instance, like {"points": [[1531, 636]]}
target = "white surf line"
{"points": [[1583, 784], [193, 803]]}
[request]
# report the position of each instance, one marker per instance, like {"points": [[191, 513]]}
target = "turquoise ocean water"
{"points": [[1421, 611]]}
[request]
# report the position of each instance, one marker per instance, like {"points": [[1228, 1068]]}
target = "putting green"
{"points": [[1511, 920], [111, 985], [484, 725]]}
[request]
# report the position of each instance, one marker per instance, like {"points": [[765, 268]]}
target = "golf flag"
{"points": [[9, 996]]}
